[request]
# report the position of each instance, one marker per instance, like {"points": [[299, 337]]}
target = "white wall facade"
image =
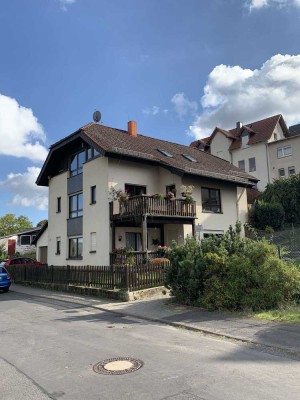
{"points": [[219, 146], [57, 221], [259, 152], [286, 162]]}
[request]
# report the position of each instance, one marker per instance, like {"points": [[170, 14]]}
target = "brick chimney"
{"points": [[132, 128]]}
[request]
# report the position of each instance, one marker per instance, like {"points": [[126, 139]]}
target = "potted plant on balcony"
{"points": [[123, 197], [187, 190], [170, 196], [189, 199], [158, 196]]}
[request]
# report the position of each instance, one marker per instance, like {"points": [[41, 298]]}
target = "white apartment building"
{"points": [[265, 149], [82, 171]]}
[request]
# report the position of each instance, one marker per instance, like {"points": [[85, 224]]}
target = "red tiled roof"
{"points": [[260, 131], [114, 142]]}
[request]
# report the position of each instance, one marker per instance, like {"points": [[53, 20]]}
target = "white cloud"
{"points": [[24, 191], [183, 106], [65, 3], [20, 132], [234, 94], [258, 4], [154, 110]]}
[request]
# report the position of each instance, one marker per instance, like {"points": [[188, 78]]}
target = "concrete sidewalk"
{"points": [[277, 335]]}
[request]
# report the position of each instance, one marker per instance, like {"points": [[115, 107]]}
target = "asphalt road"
{"points": [[48, 349]]}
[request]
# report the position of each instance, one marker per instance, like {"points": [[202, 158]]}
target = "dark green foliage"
{"points": [[231, 273], [185, 275], [287, 193], [268, 215]]}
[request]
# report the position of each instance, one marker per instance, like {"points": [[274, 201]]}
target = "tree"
{"points": [[10, 224], [287, 193], [42, 223]]}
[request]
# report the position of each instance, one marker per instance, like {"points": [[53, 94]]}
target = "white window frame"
{"points": [[242, 162], [282, 151], [93, 242], [291, 169], [252, 169]]}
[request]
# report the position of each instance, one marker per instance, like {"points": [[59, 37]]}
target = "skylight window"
{"points": [[165, 153], [190, 158]]}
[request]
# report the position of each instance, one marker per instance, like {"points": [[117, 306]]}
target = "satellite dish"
{"points": [[97, 116]]}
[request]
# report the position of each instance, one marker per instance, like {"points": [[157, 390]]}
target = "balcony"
{"points": [[138, 206]]}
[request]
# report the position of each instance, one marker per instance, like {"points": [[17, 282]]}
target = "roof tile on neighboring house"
{"points": [[260, 131], [294, 130]]}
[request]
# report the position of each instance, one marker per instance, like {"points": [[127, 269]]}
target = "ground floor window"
{"points": [[134, 240], [75, 247]]}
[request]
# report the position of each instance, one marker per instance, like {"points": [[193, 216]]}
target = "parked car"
{"points": [[21, 260], [5, 281]]}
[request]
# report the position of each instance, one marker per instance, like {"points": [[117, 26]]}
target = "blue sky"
{"points": [[177, 67]]}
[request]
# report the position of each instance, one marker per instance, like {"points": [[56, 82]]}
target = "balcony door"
{"points": [[134, 240]]}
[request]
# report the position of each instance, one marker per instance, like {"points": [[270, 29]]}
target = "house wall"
{"points": [[4, 241], [280, 135], [220, 143], [57, 222], [260, 153], [284, 162], [233, 203], [42, 247], [96, 216]]}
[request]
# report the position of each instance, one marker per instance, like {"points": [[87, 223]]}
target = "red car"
{"points": [[21, 260]]}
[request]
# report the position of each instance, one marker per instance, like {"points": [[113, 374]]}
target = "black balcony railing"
{"points": [[150, 205]]}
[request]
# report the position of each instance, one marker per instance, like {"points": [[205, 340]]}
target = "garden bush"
{"points": [[268, 215], [232, 273]]}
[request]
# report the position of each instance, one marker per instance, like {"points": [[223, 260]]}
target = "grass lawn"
{"points": [[290, 314]]}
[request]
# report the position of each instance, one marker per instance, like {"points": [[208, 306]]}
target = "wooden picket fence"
{"points": [[124, 277]]}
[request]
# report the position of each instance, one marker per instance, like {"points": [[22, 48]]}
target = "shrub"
{"points": [[185, 274], [268, 215], [231, 273]]}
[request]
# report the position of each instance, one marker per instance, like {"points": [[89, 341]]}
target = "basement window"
{"points": [[165, 153]]}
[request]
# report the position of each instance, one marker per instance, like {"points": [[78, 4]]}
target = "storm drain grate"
{"points": [[118, 366]]}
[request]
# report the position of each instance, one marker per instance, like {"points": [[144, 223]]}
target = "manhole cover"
{"points": [[118, 366]]}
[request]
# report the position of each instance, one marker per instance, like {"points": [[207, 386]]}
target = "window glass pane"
{"points": [[242, 165], [72, 247], [80, 246], [281, 172], [81, 160], [93, 194], [211, 200], [89, 153], [25, 240], [252, 164], [292, 171], [73, 164], [135, 190], [287, 150]]}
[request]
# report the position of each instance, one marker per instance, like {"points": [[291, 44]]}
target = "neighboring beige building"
{"points": [[85, 169], [265, 149]]}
